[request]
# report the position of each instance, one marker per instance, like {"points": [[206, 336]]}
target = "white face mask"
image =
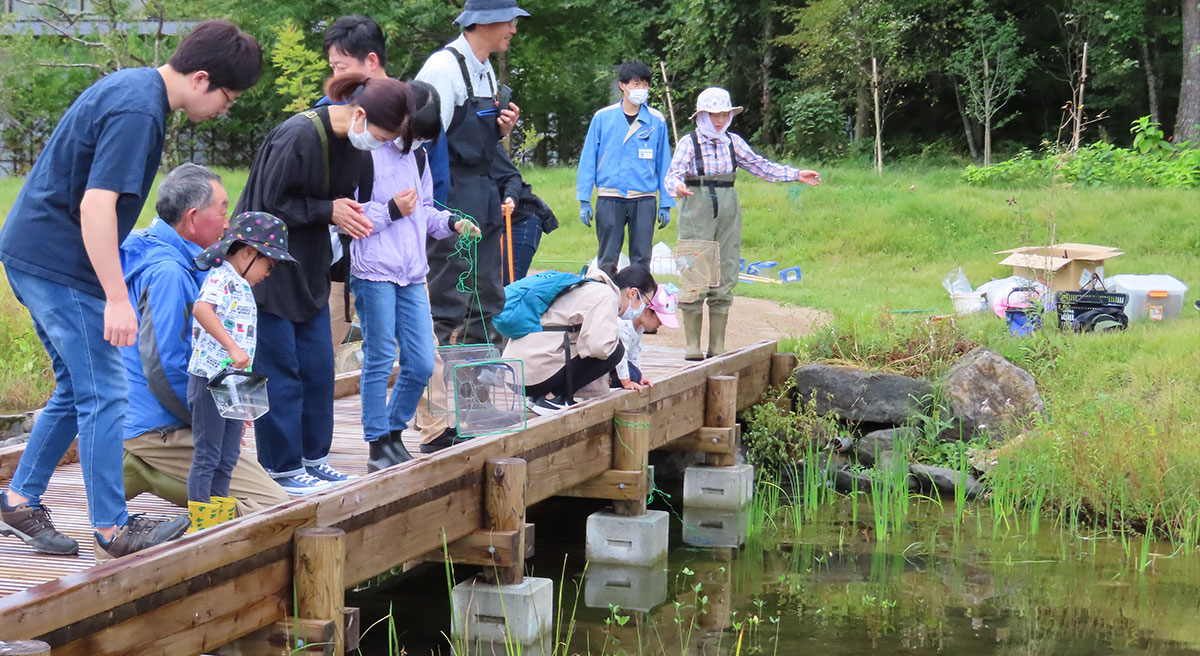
{"points": [[631, 312], [638, 96], [364, 140]]}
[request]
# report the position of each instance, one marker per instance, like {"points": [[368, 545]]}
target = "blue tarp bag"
{"points": [[528, 298]]}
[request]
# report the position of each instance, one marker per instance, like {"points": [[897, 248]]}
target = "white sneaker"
{"points": [[302, 484]]}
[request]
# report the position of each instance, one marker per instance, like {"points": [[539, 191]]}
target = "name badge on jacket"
{"points": [[645, 153]]}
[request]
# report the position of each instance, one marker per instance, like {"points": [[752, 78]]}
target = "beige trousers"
{"points": [[158, 463]]}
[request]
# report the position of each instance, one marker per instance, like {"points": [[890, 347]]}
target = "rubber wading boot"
{"points": [[228, 508], [203, 515], [716, 332], [386, 451], [693, 322]]}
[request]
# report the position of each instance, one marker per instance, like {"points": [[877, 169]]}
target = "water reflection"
{"points": [[832, 590]]}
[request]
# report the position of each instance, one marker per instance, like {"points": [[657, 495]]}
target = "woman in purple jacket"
{"points": [[387, 276]]}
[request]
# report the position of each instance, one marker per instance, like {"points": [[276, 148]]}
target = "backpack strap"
{"points": [[324, 138]]}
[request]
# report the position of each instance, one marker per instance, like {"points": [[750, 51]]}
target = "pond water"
{"points": [[985, 588]]}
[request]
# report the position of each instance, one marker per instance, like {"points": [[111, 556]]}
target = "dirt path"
{"points": [[752, 320]]}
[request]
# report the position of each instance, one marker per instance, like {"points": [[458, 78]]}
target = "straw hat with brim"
{"points": [[264, 232], [485, 12], [715, 100]]}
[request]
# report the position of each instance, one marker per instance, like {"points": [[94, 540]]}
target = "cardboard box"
{"points": [[1058, 266]]}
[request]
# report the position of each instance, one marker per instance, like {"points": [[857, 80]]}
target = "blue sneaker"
{"points": [[326, 473], [302, 484]]}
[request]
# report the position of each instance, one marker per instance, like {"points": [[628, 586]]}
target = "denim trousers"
{"points": [[297, 359], [89, 400], [218, 444], [393, 318], [527, 235]]}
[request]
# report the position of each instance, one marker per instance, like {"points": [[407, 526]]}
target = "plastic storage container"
{"points": [[240, 394], [1154, 297]]}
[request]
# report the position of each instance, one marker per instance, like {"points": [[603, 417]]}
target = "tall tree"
{"points": [[836, 42], [991, 64], [1187, 120]]}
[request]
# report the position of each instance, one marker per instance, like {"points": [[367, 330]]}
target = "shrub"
{"points": [[1152, 162], [815, 125]]}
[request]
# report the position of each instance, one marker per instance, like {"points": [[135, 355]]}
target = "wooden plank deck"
{"points": [[21, 568], [200, 592]]}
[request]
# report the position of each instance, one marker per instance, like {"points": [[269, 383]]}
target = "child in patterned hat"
{"points": [[225, 316]]}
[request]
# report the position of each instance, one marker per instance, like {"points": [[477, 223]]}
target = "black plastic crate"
{"points": [[1069, 303]]}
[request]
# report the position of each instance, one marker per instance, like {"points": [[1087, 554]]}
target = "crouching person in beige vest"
{"points": [[585, 319]]}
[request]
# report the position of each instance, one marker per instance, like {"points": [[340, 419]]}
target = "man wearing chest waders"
{"points": [[476, 114]]}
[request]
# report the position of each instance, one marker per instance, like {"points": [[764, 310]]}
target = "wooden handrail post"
{"points": [[631, 452], [782, 366], [504, 510], [720, 411], [318, 569], [24, 648]]}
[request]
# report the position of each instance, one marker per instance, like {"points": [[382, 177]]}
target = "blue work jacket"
{"points": [[624, 159]]}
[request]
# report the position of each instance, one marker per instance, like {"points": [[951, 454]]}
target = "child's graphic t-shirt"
{"points": [[230, 294]]}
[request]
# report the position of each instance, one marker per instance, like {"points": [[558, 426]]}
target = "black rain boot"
{"points": [[386, 452]]}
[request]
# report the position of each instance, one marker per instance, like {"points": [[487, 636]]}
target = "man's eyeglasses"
{"points": [[229, 100]]}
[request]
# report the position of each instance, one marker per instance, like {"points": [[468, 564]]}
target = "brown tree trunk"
{"points": [[1151, 83], [1187, 120], [768, 57], [862, 112], [966, 121]]}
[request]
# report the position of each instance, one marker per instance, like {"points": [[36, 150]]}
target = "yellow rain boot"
{"points": [[716, 332], [203, 515], [228, 508], [692, 323]]}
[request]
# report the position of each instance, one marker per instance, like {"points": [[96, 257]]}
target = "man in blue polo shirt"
{"points": [[625, 157], [59, 250]]}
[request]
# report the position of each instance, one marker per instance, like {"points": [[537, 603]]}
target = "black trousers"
{"points": [[477, 197], [612, 216], [583, 371]]}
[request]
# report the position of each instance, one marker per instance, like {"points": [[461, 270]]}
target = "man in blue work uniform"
{"points": [[625, 157]]}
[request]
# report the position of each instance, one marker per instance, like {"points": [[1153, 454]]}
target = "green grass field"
{"points": [[1123, 417]]}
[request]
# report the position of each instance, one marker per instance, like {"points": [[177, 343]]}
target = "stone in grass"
{"points": [[985, 391], [860, 395], [876, 446], [943, 480]]}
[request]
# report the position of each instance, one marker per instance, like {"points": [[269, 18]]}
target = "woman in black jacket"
{"points": [[306, 173]]}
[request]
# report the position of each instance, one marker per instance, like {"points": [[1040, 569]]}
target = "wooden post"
{"points": [[319, 567], [720, 411], [24, 648], [782, 366], [631, 452], [504, 510]]}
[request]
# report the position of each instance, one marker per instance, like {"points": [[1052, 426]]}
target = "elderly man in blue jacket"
{"points": [[625, 158], [162, 279]]}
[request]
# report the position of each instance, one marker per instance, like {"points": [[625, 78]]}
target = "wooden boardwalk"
{"points": [[203, 591]]}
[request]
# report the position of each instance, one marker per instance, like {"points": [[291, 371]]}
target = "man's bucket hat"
{"points": [[715, 100], [265, 232], [485, 12]]}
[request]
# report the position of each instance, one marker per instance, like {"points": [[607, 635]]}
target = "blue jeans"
{"points": [[297, 359], [90, 398], [527, 235], [393, 318]]}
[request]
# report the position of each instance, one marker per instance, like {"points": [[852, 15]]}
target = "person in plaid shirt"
{"points": [[702, 178]]}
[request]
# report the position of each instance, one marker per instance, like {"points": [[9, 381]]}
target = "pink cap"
{"points": [[663, 305]]}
